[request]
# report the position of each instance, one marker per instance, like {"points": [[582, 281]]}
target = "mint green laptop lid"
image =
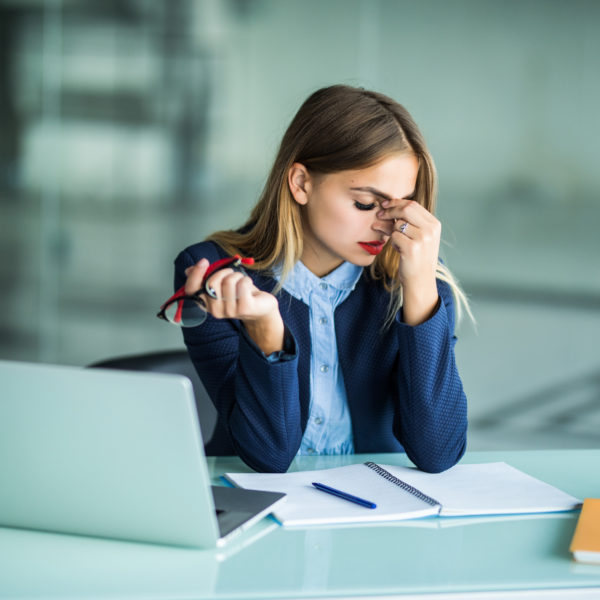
{"points": [[104, 453]]}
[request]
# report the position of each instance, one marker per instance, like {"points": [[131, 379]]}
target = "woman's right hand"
{"points": [[236, 297]]}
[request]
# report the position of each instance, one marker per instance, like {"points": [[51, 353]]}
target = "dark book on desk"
{"points": [[406, 493]]}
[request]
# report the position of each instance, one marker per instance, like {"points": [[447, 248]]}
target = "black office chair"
{"points": [[177, 362]]}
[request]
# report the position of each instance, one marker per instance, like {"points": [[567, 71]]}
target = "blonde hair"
{"points": [[337, 128]]}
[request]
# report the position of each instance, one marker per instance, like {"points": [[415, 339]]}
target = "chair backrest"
{"points": [[170, 361]]}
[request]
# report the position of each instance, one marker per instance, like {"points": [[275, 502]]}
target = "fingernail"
{"points": [[380, 214], [385, 203]]}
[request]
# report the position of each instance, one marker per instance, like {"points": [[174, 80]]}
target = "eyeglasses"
{"points": [[188, 310]]}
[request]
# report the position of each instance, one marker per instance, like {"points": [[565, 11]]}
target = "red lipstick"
{"points": [[372, 247]]}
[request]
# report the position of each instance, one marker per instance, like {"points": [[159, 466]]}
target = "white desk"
{"points": [[486, 558]]}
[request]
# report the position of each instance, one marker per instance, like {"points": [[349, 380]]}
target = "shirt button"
{"points": [[323, 320], [323, 285], [324, 368], [310, 450], [318, 420]]}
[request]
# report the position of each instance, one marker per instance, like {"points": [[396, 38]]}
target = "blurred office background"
{"points": [[132, 128]]}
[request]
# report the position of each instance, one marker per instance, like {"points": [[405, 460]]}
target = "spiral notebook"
{"points": [[406, 493]]}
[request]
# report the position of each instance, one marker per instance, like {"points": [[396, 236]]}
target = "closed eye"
{"points": [[362, 206]]}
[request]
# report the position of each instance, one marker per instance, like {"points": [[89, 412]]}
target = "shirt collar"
{"points": [[300, 282]]}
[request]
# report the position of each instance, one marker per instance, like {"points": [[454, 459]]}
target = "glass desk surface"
{"points": [[422, 556]]}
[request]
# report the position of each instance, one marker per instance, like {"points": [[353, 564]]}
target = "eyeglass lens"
{"points": [[186, 312]]}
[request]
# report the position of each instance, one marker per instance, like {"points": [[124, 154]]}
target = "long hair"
{"points": [[337, 128]]}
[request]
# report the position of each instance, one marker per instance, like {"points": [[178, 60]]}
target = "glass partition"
{"points": [[131, 129]]}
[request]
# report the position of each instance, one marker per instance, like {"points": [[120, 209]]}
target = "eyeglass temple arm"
{"points": [[235, 260]]}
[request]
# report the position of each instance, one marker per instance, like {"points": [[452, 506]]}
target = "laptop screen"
{"points": [[106, 453]]}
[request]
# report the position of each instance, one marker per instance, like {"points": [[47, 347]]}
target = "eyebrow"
{"points": [[376, 192]]}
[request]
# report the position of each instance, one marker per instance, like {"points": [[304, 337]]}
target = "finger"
{"points": [[195, 275], [385, 226], [245, 288], [228, 286], [408, 210], [401, 242], [390, 208], [246, 291], [229, 295], [404, 228], [422, 225], [213, 283]]}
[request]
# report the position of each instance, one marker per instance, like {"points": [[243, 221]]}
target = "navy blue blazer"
{"points": [[404, 392]]}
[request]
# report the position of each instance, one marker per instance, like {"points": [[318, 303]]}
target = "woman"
{"points": [[340, 338]]}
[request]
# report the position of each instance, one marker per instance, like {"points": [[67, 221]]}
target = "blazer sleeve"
{"points": [[257, 397], [433, 414]]}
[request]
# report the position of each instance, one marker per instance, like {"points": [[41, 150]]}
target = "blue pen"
{"points": [[344, 495]]}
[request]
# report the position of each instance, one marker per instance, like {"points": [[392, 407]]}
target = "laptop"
{"points": [[112, 454]]}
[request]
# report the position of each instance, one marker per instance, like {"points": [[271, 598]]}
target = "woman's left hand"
{"points": [[415, 233]]}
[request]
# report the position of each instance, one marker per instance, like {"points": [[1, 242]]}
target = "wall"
{"points": [[130, 130]]}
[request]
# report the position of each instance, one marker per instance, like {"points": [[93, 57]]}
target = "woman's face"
{"points": [[339, 211]]}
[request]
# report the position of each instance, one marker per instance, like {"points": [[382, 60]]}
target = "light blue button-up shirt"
{"points": [[329, 427]]}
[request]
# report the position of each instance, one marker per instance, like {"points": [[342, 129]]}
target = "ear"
{"points": [[300, 183]]}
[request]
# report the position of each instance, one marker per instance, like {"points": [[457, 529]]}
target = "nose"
{"points": [[385, 226]]}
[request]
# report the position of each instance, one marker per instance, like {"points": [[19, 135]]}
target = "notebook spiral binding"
{"points": [[405, 486]]}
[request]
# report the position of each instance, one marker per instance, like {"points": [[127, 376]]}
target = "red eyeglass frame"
{"points": [[180, 296]]}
